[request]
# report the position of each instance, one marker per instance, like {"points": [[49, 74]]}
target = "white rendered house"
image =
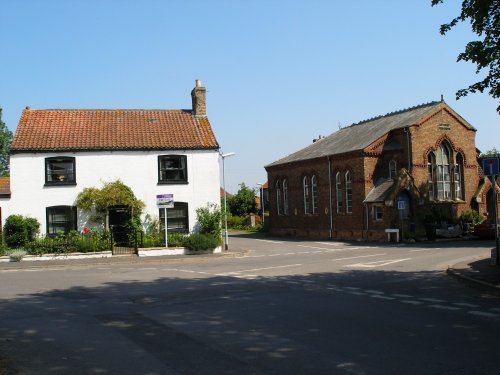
{"points": [[56, 153]]}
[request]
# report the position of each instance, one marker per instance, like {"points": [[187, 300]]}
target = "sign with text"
{"points": [[165, 201]]}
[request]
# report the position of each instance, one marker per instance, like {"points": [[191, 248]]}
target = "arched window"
{"points": [[431, 164], [307, 203], [392, 169], [443, 175], [348, 192], [278, 198], [314, 185], [285, 197], [459, 178], [339, 193]]}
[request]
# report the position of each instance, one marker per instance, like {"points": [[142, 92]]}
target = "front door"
{"points": [[404, 211], [119, 217]]}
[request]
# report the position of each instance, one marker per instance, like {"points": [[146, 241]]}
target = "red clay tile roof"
{"points": [[111, 129], [4, 186]]}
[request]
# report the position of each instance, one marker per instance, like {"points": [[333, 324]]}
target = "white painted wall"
{"points": [[136, 169]]}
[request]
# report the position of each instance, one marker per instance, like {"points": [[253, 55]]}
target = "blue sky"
{"points": [[278, 73]]}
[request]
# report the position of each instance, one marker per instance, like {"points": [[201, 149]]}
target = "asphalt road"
{"points": [[284, 307]]}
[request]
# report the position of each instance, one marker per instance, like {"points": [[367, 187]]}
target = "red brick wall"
{"points": [[366, 168]]}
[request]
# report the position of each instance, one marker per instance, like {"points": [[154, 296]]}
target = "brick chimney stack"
{"points": [[198, 95]]}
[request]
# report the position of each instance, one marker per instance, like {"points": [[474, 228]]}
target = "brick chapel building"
{"points": [[390, 172]]}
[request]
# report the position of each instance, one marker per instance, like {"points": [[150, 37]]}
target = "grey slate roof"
{"points": [[359, 135], [379, 192]]}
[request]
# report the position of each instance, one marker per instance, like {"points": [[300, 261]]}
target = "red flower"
{"points": [[86, 230]]}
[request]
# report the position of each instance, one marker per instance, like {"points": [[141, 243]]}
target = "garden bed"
{"points": [[68, 256], [161, 251]]}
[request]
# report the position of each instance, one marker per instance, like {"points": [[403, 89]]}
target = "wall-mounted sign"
{"points": [[490, 166]]}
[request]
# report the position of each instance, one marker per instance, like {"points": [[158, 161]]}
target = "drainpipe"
{"points": [[408, 156], [330, 197]]}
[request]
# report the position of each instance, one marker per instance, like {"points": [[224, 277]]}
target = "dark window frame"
{"points": [[67, 177], [69, 225], [174, 219], [183, 168]]}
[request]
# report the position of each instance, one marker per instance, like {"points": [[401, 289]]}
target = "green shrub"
{"points": [[209, 219], [17, 254], [73, 242], [18, 230], [235, 222], [176, 239], [3, 250], [472, 216], [199, 241]]}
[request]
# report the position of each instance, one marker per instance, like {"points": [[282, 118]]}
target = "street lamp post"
{"points": [[262, 200], [224, 156]]}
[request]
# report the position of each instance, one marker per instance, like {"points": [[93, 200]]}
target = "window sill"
{"points": [[173, 182], [51, 184]]}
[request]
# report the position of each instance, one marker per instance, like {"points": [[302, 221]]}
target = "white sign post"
{"points": [[165, 201]]}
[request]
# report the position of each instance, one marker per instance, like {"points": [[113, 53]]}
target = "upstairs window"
{"points": [[431, 163], [307, 202], [60, 171], [60, 219], [348, 192], [392, 169], [339, 192], [314, 185], [459, 179], [443, 175], [172, 169]]}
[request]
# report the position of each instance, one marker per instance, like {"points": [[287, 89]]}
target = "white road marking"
{"points": [[361, 256], [279, 242], [402, 296], [444, 307], [381, 297], [432, 300], [260, 269], [374, 291], [411, 302], [357, 293], [463, 304], [332, 243], [416, 251], [378, 263], [351, 288], [484, 314]]}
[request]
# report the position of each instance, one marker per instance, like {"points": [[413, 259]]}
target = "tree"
{"points": [[493, 153], [5, 141], [243, 202], [114, 193], [484, 16]]}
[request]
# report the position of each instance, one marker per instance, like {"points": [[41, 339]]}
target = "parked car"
{"points": [[485, 230]]}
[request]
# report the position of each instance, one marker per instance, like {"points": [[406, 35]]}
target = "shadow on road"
{"points": [[370, 322]]}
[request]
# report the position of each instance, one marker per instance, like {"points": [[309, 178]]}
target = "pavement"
{"points": [[116, 259], [479, 271]]}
